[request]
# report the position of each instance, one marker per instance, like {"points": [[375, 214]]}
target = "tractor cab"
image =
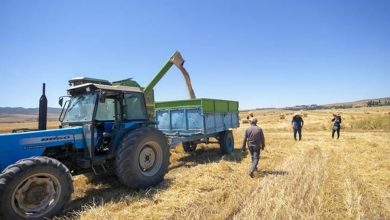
{"points": [[91, 102], [105, 112]]}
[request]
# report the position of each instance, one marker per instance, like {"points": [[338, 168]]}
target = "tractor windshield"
{"points": [[80, 108]]}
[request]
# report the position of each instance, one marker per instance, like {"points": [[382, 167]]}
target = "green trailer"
{"points": [[195, 121]]}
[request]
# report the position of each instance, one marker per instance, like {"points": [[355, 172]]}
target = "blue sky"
{"points": [[260, 53]]}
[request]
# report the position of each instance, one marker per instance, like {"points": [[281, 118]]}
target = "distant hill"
{"points": [[362, 102], [27, 111], [353, 104], [18, 114], [56, 111], [342, 105]]}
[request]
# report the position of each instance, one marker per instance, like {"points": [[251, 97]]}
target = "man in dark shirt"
{"points": [[336, 125], [254, 137], [297, 124]]}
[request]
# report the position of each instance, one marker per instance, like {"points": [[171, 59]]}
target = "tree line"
{"points": [[378, 103]]}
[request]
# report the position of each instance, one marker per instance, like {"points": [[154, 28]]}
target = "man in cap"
{"points": [[336, 125], [254, 138], [297, 124], [250, 117]]}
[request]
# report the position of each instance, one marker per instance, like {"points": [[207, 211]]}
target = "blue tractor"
{"points": [[103, 126]]}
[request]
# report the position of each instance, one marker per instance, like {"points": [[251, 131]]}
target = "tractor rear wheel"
{"points": [[189, 147], [34, 188], [226, 142], [142, 158]]}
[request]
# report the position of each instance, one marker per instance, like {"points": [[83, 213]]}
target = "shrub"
{"points": [[372, 123]]}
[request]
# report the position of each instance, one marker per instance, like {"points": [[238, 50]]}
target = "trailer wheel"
{"points": [[34, 188], [189, 147], [226, 142], [142, 158]]}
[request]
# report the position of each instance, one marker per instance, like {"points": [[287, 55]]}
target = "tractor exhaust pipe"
{"points": [[42, 119]]}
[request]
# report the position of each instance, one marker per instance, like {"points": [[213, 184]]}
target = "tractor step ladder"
{"points": [[101, 169], [97, 165]]}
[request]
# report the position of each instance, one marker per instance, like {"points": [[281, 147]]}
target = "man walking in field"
{"points": [[254, 137], [336, 125], [297, 124]]}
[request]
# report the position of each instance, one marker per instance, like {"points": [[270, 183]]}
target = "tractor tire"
{"points": [[142, 159], [189, 147], [226, 142], [34, 188]]}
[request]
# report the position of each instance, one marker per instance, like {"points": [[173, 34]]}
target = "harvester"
{"points": [[106, 126]]}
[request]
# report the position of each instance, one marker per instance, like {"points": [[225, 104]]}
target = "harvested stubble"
{"points": [[316, 178]]}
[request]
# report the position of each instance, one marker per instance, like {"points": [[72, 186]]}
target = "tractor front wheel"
{"points": [[142, 158], [34, 188]]}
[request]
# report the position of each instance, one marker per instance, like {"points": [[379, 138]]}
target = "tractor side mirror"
{"points": [[102, 97], [61, 101]]}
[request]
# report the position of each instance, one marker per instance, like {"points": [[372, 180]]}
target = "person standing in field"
{"points": [[297, 124], [254, 138], [336, 125]]}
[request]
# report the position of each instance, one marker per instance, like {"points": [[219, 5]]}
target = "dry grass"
{"points": [[9, 122], [316, 178], [372, 123], [8, 127]]}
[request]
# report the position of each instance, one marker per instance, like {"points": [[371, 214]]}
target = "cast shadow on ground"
{"points": [[206, 155], [109, 189]]}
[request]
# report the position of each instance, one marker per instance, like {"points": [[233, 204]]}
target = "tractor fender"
{"points": [[122, 132]]}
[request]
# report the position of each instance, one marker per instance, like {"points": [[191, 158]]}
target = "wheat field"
{"points": [[316, 178]]}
